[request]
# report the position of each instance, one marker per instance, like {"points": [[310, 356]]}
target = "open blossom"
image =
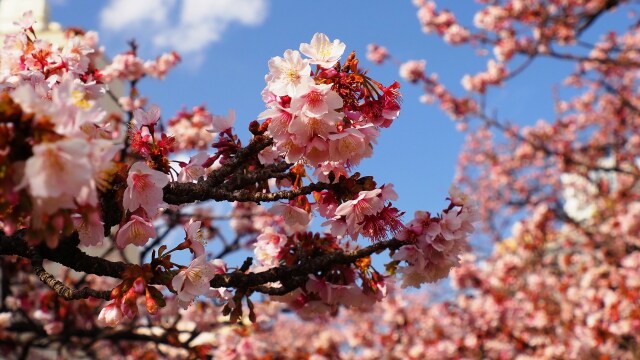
{"points": [[89, 227], [290, 75], [195, 237], [144, 188], [221, 123], [26, 21], [367, 203], [305, 128], [194, 280], [317, 102], [147, 118], [59, 170], [268, 248], [124, 67], [295, 218], [193, 170], [349, 145], [137, 231], [322, 51]]}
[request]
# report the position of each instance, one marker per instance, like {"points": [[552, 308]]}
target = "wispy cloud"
{"points": [[198, 23]]}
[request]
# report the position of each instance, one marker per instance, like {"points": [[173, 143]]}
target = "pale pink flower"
{"points": [[318, 101], [147, 118], [59, 169], [337, 168], [289, 75], [322, 51], [305, 128], [137, 231], [317, 151], [268, 155], [194, 280], [89, 227], [367, 203], [194, 170], [221, 123], [348, 145], [26, 21], [110, 315], [129, 104], [456, 34], [296, 219], [195, 236], [280, 120], [144, 188], [268, 247]]}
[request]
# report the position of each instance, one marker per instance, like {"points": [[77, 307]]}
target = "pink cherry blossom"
{"points": [[222, 123], [147, 118], [144, 188], [268, 248], [90, 228], [296, 219], [59, 169], [322, 51], [318, 101], [26, 21], [193, 170], [194, 280], [195, 237], [290, 75], [136, 231], [376, 53]]}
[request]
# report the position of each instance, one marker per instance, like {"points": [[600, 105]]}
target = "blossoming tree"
{"points": [[73, 176], [560, 197]]}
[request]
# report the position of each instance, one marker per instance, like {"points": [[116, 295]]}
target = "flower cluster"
{"points": [[437, 242], [329, 115], [56, 140]]}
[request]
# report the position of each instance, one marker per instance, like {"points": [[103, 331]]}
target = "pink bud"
{"points": [[139, 286], [110, 315]]}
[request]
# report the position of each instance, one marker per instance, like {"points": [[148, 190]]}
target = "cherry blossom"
{"points": [[194, 280], [322, 51], [144, 188], [289, 75]]}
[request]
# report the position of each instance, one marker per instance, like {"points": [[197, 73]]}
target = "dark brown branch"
{"points": [[312, 266], [274, 171], [67, 253], [177, 193], [59, 287], [245, 196]]}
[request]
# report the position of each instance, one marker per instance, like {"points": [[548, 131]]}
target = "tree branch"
{"points": [[254, 280], [177, 193], [67, 253], [59, 287]]}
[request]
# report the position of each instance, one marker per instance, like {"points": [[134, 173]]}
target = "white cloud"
{"points": [[200, 22]]}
